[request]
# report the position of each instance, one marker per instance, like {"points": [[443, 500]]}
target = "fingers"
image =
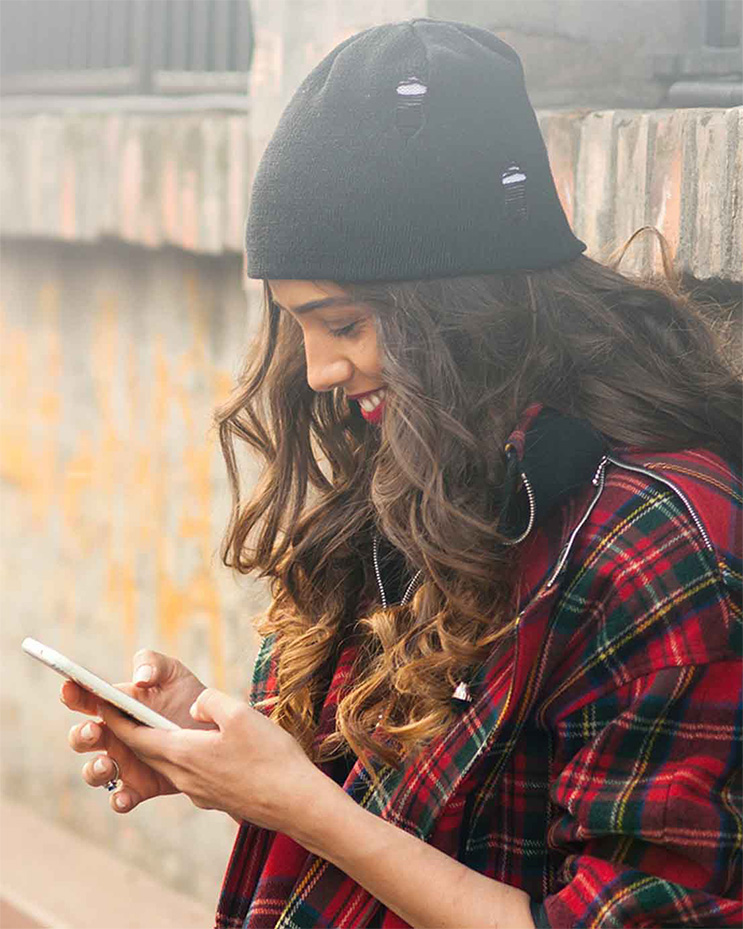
{"points": [[98, 771], [151, 668], [81, 700], [88, 737], [214, 706], [125, 799], [78, 699]]}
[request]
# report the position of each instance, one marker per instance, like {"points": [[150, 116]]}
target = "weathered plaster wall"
{"points": [[113, 499]]}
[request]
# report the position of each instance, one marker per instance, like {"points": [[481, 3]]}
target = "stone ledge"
{"points": [[182, 179], [678, 170], [147, 179], [58, 880]]}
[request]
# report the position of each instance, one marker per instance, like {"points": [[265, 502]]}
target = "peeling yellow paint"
{"points": [[122, 597], [129, 476], [16, 458]]}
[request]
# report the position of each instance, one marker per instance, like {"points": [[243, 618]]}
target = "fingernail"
{"points": [[87, 731], [99, 766], [121, 802], [143, 674]]}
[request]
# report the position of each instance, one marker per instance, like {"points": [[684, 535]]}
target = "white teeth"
{"points": [[372, 401]]}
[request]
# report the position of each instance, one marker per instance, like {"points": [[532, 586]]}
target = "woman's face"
{"points": [[340, 341]]}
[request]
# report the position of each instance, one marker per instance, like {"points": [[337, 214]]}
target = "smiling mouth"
{"points": [[369, 402]]}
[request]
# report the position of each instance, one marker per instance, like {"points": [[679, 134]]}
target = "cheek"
{"points": [[368, 356]]}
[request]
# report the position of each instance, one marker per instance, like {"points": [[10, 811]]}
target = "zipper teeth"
{"points": [[598, 481], [379, 573], [411, 586], [532, 511], [532, 504], [652, 474]]}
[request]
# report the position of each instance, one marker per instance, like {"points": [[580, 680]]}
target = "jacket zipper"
{"points": [[375, 551], [378, 572], [598, 480], [532, 511], [411, 586], [655, 476]]}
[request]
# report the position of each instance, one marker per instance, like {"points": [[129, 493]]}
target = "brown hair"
{"points": [[462, 358]]}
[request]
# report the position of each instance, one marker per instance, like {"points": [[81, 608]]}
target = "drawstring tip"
{"points": [[462, 693]]}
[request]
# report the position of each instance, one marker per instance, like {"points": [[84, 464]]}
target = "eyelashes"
{"points": [[351, 329]]}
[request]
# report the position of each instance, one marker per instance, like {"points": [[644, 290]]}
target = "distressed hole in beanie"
{"points": [[513, 180], [409, 111]]}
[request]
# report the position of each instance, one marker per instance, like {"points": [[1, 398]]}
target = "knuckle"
{"points": [[145, 656], [235, 714]]}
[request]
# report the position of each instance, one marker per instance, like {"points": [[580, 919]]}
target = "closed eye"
{"points": [[346, 330]]}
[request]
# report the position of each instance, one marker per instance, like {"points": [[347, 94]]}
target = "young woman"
{"points": [[500, 513]]}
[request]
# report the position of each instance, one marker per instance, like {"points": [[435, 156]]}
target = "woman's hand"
{"points": [[247, 765], [170, 689]]}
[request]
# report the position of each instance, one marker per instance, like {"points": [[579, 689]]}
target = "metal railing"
{"points": [[124, 46]]}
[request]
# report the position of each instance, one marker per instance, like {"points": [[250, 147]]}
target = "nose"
{"points": [[327, 366]]}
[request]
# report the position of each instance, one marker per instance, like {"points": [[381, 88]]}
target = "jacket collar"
{"points": [[549, 457]]}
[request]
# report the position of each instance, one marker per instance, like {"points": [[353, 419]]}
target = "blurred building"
{"points": [[130, 131]]}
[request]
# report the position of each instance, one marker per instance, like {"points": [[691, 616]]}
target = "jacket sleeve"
{"points": [[645, 787], [648, 811]]}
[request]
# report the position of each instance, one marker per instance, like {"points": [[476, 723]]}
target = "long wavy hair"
{"points": [[462, 358]]}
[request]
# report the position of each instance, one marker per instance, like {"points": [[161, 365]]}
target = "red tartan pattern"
{"points": [[598, 767]]}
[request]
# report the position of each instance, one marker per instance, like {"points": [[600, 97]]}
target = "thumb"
{"points": [[209, 706], [152, 668]]}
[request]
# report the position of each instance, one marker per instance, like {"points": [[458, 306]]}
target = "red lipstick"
{"points": [[371, 416]]}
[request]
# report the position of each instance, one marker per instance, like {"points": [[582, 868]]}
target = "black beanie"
{"points": [[411, 151]]}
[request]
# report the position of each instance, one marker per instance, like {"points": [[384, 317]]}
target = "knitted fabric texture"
{"points": [[411, 151]]}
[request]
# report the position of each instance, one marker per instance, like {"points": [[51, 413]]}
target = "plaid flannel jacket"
{"points": [[598, 765]]}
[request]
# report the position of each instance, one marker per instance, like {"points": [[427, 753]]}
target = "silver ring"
{"points": [[114, 782]]}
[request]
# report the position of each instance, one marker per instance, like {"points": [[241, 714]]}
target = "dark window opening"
{"points": [[125, 46]]}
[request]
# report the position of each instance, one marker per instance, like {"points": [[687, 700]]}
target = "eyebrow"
{"points": [[315, 304]]}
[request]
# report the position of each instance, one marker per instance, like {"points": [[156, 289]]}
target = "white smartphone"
{"points": [[75, 672]]}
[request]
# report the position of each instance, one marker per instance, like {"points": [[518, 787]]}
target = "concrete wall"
{"points": [[600, 54]]}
